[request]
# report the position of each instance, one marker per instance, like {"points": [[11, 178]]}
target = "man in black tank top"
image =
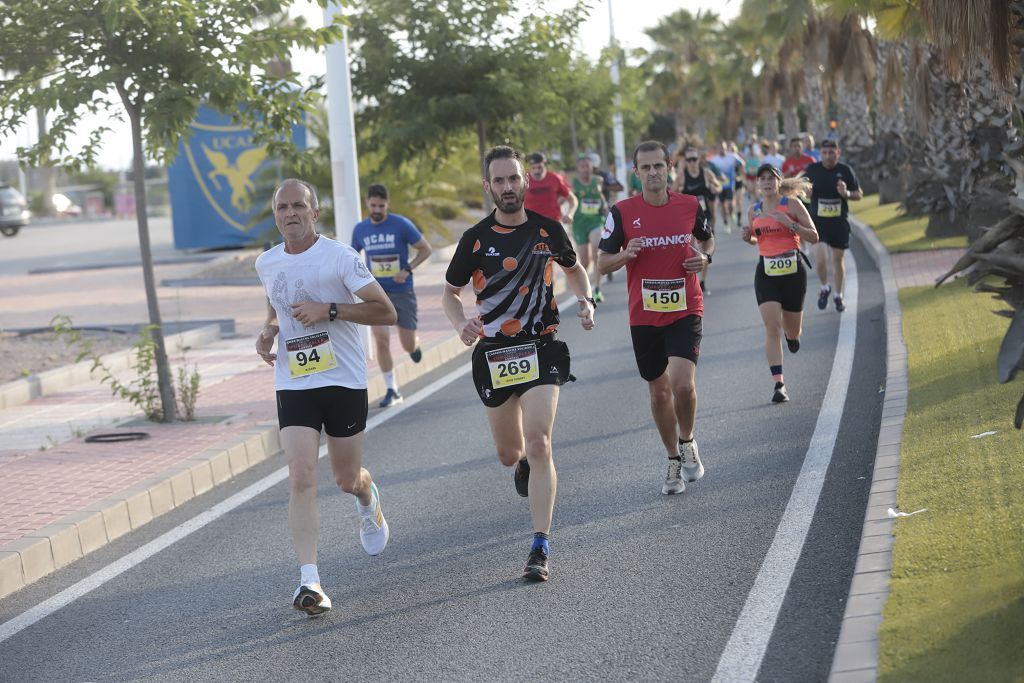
{"points": [[695, 179]]}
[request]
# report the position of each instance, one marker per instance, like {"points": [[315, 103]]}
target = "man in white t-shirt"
{"points": [[318, 292]]}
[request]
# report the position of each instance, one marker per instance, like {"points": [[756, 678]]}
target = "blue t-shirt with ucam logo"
{"points": [[386, 245]]}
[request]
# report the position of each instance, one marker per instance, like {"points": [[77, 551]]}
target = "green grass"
{"points": [[956, 607], [898, 232]]}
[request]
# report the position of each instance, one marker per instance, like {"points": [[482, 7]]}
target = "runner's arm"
{"points": [[570, 211], [579, 283], [451, 301], [265, 339], [805, 225], [374, 309]]}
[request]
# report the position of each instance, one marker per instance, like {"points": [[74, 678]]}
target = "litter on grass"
{"points": [[895, 513], [978, 436]]}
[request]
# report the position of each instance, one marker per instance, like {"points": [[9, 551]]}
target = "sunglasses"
{"points": [[692, 159]]}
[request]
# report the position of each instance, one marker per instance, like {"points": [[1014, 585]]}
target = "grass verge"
{"points": [[955, 611], [897, 232]]}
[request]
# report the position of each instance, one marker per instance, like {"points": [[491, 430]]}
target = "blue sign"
{"points": [[214, 181]]}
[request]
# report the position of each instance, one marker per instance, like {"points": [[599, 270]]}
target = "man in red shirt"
{"points": [[655, 235], [548, 190], [797, 161]]}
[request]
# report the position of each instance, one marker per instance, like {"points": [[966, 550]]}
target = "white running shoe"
{"points": [[693, 468], [673, 480], [373, 528], [311, 599]]}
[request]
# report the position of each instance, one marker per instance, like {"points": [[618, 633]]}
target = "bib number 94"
{"points": [[309, 355]]}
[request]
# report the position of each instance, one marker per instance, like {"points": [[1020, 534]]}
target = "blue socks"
{"points": [[540, 540]]}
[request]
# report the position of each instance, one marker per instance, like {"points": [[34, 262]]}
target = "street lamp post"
{"points": [[617, 135]]}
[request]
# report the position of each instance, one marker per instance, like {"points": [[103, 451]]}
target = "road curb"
{"points": [[856, 655], [44, 551], [53, 381]]}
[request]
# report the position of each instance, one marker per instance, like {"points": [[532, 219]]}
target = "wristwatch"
{"points": [[588, 299], [334, 313], [709, 258]]}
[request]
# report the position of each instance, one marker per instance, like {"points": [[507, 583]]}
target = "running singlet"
{"points": [[327, 353], [588, 214], [793, 165], [511, 268], [773, 238], [825, 200], [387, 248], [542, 195], [697, 187], [660, 289]]}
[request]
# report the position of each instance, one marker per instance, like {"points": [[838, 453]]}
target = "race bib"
{"points": [[309, 355], [590, 207], [384, 265], [513, 365], [830, 208], [780, 265], [664, 296]]}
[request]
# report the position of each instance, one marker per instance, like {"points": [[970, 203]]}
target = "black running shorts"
{"points": [[652, 345], [509, 360], [339, 411], [788, 290], [726, 194], [834, 232]]}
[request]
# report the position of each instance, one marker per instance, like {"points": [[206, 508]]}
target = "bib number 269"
{"points": [[513, 365]]}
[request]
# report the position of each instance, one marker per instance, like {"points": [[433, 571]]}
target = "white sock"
{"points": [[365, 510], [309, 574], [389, 379], [826, 287]]}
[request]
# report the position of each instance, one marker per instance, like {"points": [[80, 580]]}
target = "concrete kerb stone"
{"points": [[26, 560], [856, 656], [56, 380]]}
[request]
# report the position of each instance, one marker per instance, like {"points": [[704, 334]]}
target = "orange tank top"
{"points": [[773, 238]]}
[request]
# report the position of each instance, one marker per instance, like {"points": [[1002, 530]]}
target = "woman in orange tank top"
{"points": [[776, 225]]}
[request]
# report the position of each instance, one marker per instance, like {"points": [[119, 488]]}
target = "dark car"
{"points": [[13, 211]]}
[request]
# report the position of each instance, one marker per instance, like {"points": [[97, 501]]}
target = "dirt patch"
{"points": [[240, 265], [21, 356]]}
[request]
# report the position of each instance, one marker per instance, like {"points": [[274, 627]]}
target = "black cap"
{"points": [[769, 167], [536, 158]]}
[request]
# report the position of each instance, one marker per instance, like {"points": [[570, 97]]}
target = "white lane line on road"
{"points": [[743, 654], [119, 566]]}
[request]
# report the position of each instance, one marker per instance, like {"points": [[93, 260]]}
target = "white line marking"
{"points": [[119, 566], [741, 659]]}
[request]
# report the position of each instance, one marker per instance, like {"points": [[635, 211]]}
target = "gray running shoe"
{"points": [[674, 479], [693, 468]]}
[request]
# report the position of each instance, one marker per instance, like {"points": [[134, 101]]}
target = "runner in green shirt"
{"points": [[589, 218]]}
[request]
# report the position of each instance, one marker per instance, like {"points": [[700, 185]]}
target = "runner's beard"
{"points": [[376, 217], [510, 202]]}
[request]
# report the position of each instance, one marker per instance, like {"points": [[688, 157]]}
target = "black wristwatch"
{"points": [[334, 313], [709, 258], [590, 300]]}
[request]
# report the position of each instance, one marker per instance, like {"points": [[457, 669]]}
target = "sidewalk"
{"points": [[856, 655], [61, 498]]}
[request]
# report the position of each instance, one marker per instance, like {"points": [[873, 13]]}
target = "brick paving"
{"points": [[919, 268]]}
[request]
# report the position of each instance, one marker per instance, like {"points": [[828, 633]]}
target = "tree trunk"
{"points": [[163, 368], [481, 144], [47, 173], [814, 102], [572, 132], [771, 124], [791, 121]]}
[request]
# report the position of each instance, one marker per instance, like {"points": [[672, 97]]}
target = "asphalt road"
{"points": [[644, 586], [78, 243]]}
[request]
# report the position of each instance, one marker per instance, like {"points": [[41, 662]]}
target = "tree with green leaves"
{"points": [[428, 72], [152, 63]]}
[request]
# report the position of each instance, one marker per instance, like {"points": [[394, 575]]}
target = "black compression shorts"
{"points": [[506, 364], [788, 290], [834, 232], [653, 345], [339, 411]]}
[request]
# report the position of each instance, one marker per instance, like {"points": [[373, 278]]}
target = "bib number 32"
{"points": [[513, 365], [309, 355]]}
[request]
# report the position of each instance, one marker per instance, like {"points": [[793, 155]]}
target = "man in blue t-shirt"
{"points": [[386, 238]]}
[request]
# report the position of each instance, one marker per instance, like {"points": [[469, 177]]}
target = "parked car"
{"points": [[13, 211]]}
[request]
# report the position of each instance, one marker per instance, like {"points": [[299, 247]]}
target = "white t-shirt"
{"points": [[327, 272], [776, 160]]}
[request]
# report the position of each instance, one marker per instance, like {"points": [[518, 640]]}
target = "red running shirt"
{"points": [[792, 166], [542, 195], [660, 289]]}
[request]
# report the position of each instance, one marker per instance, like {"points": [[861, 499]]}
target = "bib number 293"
{"points": [[513, 365]]}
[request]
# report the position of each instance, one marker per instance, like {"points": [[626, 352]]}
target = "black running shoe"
{"points": [[840, 306], [780, 395], [522, 478], [823, 297], [416, 355], [793, 344], [537, 566]]}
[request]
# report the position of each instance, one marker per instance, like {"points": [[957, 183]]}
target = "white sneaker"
{"points": [[373, 528], [673, 480], [311, 599], [693, 468]]}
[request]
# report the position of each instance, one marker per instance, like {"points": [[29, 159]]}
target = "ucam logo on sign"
{"points": [[220, 183]]}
